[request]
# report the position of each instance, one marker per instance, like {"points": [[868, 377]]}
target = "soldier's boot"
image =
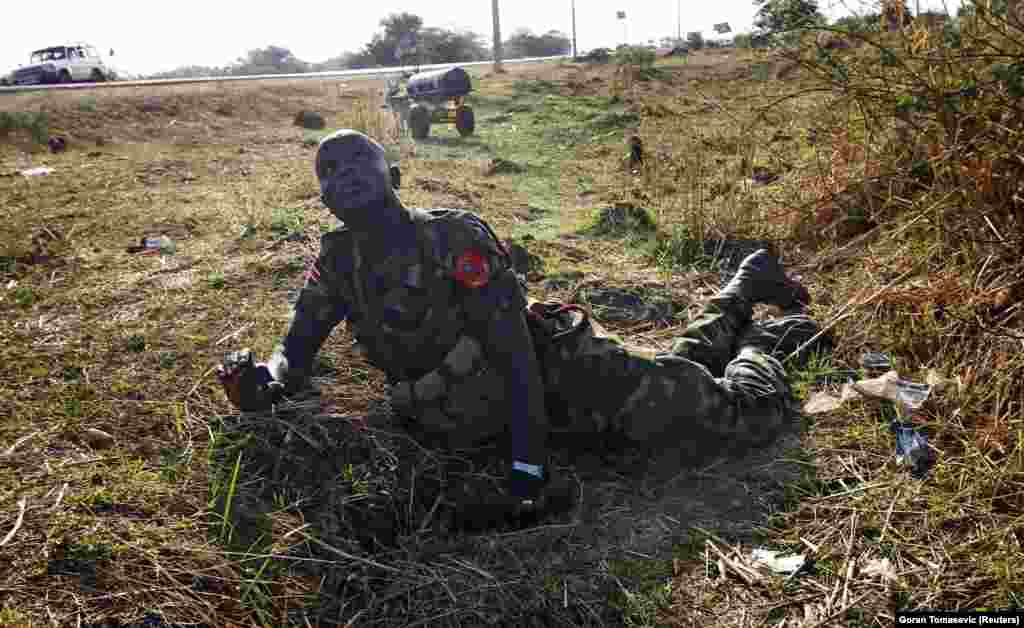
{"points": [[761, 279]]}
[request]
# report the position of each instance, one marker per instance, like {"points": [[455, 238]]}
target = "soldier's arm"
{"points": [[320, 307], [494, 303]]}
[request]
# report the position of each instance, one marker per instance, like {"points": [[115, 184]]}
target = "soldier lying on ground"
{"points": [[431, 297]]}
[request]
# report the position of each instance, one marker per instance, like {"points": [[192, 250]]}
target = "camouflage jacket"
{"points": [[410, 288]]}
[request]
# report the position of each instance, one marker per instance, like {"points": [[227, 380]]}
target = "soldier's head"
{"points": [[355, 179]]}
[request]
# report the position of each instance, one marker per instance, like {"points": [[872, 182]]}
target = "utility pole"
{"points": [[679, 23], [497, 39], [575, 51]]}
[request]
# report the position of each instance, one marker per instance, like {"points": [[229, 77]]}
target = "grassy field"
{"points": [[328, 514]]}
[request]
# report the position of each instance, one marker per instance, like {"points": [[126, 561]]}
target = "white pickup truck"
{"points": [[63, 64]]}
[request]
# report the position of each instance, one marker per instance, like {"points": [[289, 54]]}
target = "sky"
{"points": [[152, 37]]}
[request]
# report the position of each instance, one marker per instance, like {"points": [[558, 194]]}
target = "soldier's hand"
{"points": [[250, 386]]}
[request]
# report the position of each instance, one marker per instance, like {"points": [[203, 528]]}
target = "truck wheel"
{"points": [[64, 77], [419, 121], [465, 121], [97, 76]]}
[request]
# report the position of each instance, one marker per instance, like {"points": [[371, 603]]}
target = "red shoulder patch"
{"points": [[472, 269], [313, 272]]}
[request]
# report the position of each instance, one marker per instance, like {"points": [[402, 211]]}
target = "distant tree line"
{"points": [[402, 40], [779, 22]]}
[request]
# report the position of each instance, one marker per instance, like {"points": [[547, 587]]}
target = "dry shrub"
{"points": [[925, 125]]}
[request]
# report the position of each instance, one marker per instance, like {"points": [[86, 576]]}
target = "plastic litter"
{"points": [[891, 387], [905, 394], [912, 449], [778, 564], [874, 361], [154, 245], [881, 567], [821, 402], [41, 171]]}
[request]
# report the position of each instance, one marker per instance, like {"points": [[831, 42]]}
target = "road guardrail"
{"points": [[367, 72]]}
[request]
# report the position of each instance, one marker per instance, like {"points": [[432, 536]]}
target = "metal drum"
{"points": [[439, 85]]}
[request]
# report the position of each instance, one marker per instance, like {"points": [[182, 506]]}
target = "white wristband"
{"points": [[535, 470]]}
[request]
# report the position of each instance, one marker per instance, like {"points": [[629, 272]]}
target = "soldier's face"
{"points": [[353, 173]]}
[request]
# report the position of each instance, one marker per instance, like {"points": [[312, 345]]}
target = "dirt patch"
{"points": [[469, 198], [383, 510], [153, 172]]}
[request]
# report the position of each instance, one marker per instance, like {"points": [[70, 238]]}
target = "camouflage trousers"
{"points": [[723, 379]]}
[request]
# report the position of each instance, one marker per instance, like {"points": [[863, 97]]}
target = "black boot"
{"points": [[761, 279]]}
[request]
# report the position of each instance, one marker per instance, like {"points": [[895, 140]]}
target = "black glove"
{"points": [[251, 387]]}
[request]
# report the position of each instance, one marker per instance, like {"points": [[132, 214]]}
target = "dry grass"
{"points": [[203, 516]]}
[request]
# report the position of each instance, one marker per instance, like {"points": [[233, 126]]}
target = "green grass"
{"points": [[14, 618], [216, 281], [91, 551], [24, 296], [286, 220], [136, 343], [36, 123], [87, 104]]}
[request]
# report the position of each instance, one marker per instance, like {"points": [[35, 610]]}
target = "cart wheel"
{"points": [[419, 121], [465, 121]]}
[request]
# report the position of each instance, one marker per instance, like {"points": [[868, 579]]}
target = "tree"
{"points": [[695, 40], [867, 23], [189, 71], [777, 19], [439, 45], [383, 48], [972, 7], [404, 41], [342, 62], [524, 43], [269, 60]]}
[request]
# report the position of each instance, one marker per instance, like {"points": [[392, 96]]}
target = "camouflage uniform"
{"points": [[722, 380]]}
